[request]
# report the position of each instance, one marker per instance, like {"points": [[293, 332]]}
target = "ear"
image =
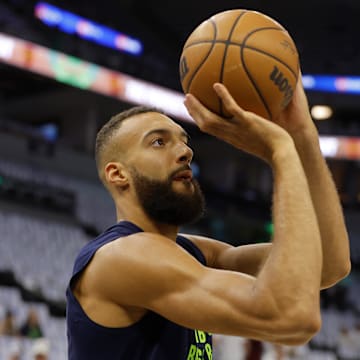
{"points": [[116, 174]]}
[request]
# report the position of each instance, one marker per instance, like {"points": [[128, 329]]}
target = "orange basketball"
{"points": [[247, 51]]}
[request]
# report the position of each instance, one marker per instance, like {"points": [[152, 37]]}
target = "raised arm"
{"points": [[280, 304], [295, 222], [296, 119]]}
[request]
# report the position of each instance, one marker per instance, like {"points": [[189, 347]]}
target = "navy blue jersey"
{"points": [[151, 338]]}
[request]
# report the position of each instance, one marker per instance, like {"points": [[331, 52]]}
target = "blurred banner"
{"points": [[71, 23], [85, 75], [333, 84], [340, 147]]}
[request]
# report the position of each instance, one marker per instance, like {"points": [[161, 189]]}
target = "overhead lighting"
{"points": [[321, 112]]}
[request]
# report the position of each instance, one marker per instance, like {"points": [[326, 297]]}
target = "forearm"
{"points": [[335, 243], [293, 268]]}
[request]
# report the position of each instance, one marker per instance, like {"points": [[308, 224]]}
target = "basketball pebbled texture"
{"points": [[247, 51]]}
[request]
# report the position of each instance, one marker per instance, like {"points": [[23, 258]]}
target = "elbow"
{"points": [[294, 322], [345, 270], [300, 328], [341, 273], [310, 327]]}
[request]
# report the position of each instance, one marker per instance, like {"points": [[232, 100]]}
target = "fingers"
{"points": [[245, 130], [194, 107], [211, 122], [228, 101], [204, 118], [199, 112]]}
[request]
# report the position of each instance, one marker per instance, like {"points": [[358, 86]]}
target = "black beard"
{"points": [[162, 204]]}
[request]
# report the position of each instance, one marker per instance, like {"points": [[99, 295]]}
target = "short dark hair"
{"points": [[108, 129]]}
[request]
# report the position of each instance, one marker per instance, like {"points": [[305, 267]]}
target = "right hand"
{"points": [[246, 130]]}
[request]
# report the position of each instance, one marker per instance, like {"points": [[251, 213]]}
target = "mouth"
{"points": [[185, 175]]}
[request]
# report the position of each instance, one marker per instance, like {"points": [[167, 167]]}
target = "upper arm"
{"points": [[247, 259], [154, 273]]}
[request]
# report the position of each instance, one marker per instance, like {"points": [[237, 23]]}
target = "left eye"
{"points": [[158, 142]]}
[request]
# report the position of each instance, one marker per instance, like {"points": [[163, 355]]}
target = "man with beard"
{"points": [[141, 291]]}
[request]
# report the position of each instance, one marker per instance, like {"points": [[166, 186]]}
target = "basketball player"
{"points": [[142, 291]]}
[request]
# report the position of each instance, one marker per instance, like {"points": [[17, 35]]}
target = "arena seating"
{"points": [[39, 252]]}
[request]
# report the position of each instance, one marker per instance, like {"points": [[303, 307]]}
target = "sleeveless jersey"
{"points": [[151, 338]]}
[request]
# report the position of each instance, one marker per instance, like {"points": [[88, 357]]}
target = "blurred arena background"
{"points": [[65, 69]]}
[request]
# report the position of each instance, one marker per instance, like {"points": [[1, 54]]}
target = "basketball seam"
{"points": [[275, 58], [249, 47], [224, 55], [266, 53], [205, 58], [267, 108]]}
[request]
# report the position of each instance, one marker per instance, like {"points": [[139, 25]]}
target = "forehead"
{"points": [[136, 127]]}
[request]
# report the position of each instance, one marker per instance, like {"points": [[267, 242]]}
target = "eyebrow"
{"points": [[183, 133]]}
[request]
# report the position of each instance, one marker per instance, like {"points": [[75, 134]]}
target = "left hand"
{"points": [[296, 117], [245, 130]]}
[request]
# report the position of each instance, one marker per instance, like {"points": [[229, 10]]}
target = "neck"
{"points": [[139, 218]]}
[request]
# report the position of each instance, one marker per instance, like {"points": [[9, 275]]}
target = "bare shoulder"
{"points": [[127, 274], [132, 268]]}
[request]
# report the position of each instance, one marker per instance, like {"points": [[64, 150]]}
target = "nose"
{"points": [[185, 154]]}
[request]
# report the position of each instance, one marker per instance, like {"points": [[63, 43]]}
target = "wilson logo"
{"points": [[282, 83], [183, 68]]}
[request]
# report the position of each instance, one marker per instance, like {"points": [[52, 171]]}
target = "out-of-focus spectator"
{"points": [[356, 336], [301, 352], [7, 325], [40, 349], [253, 349], [31, 327], [273, 352], [347, 347], [15, 356], [228, 347]]}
